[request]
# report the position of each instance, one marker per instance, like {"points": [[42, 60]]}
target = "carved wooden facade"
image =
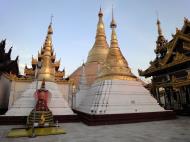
{"points": [[6, 64], [170, 71]]}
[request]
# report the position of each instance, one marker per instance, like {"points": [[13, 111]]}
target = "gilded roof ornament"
{"points": [[159, 28], [161, 42]]}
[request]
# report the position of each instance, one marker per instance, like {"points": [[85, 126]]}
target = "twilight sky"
{"points": [[24, 24]]}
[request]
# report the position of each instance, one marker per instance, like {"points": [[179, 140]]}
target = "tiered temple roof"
{"points": [[170, 70], [6, 64], [172, 53]]}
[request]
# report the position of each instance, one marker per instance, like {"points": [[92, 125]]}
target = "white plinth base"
{"points": [[57, 104], [118, 97]]}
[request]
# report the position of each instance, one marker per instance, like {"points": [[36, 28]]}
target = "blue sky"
{"points": [[24, 24]]}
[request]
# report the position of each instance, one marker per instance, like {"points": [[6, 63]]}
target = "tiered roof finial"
{"points": [[51, 19], [159, 28], [47, 58], [161, 42], [50, 30]]}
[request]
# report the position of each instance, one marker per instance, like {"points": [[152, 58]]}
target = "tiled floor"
{"points": [[159, 131]]}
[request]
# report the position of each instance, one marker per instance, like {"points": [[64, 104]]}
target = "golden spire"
{"points": [[99, 50], [113, 25], [47, 70], [115, 67]]}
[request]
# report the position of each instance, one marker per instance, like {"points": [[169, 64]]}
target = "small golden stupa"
{"points": [[49, 67]]}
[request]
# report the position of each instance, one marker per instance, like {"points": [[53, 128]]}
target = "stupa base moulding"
{"points": [[108, 119], [21, 120]]}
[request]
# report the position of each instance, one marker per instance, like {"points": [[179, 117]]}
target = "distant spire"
{"points": [[161, 42], [50, 30], [159, 28], [51, 19], [113, 23]]}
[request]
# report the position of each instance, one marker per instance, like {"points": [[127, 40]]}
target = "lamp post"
{"points": [[38, 66]]}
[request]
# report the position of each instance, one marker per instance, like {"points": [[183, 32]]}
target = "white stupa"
{"points": [[116, 90], [49, 71], [26, 102]]}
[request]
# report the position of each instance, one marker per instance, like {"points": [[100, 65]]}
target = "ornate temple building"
{"points": [[170, 70], [101, 91], [116, 95], [45, 67], [96, 56], [7, 67], [6, 64]]}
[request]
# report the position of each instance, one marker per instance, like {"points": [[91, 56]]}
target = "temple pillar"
{"points": [[171, 97], [157, 95], [187, 94], [165, 99], [180, 99]]}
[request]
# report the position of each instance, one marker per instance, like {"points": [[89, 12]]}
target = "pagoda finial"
{"points": [[50, 30], [100, 14], [159, 27], [51, 19], [161, 42], [113, 23], [100, 27]]}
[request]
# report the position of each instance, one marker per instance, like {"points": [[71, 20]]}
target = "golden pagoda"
{"points": [[97, 55], [44, 67], [99, 50], [116, 96], [115, 66], [50, 67]]}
